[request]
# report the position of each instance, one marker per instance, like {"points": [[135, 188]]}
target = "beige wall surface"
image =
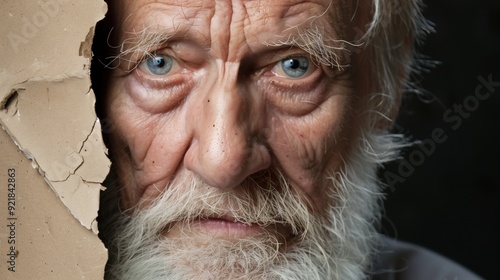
{"points": [[52, 158]]}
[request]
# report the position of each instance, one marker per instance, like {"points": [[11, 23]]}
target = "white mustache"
{"points": [[264, 203]]}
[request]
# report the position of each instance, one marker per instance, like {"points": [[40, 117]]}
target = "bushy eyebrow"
{"points": [[136, 45], [319, 43]]}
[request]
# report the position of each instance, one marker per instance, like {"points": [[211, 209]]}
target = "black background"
{"points": [[450, 203]]}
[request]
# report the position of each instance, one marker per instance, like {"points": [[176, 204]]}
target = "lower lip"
{"points": [[227, 229]]}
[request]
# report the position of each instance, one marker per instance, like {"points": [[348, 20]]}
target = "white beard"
{"points": [[339, 245]]}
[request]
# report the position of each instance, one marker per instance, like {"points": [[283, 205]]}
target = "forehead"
{"points": [[248, 16], [254, 8]]}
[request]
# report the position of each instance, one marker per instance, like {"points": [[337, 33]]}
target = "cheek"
{"points": [[131, 127], [310, 148], [146, 148]]}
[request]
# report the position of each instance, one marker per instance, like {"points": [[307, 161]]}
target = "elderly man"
{"points": [[246, 135]]}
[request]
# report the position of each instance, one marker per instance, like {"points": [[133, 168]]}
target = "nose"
{"points": [[225, 148]]}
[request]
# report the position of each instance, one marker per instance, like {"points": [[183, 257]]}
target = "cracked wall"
{"points": [[47, 111]]}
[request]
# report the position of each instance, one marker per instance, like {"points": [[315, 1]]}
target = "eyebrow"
{"points": [[320, 45], [138, 44]]}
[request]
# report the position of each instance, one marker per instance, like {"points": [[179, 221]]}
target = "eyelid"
{"points": [[139, 56], [269, 58]]}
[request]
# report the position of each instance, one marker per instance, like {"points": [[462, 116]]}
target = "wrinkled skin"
{"points": [[227, 109]]}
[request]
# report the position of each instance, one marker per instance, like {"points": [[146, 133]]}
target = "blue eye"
{"points": [[295, 67], [159, 64]]}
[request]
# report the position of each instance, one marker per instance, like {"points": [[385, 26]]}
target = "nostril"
{"points": [[229, 166], [189, 160]]}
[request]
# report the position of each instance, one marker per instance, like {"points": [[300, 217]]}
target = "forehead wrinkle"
{"points": [[315, 26], [161, 15], [291, 23]]}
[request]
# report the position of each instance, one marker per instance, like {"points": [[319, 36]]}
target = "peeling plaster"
{"points": [[58, 128], [47, 106]]}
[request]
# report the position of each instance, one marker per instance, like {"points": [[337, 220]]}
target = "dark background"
{"points": [[450, 202]]}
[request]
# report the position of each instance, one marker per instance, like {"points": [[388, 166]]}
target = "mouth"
{"points": [[228, 227]]}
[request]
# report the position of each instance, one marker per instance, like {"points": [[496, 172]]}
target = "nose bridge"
{"points": [[225, 152], [226, 134]]}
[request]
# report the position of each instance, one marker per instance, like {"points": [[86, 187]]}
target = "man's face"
{"points": [[234, 97]]}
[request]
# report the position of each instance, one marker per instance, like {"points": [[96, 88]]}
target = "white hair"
{"points": [[397, 26]]}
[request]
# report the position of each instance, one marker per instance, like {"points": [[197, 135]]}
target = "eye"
{"points": [[293, 67], [157, 64]]}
